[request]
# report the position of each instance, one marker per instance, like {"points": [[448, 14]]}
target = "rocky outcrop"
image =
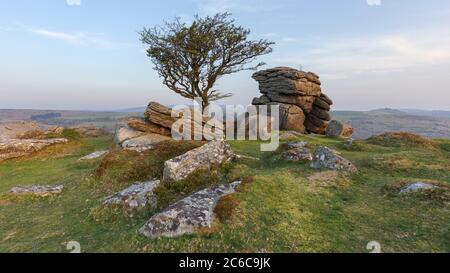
{"points": [[14, 130], [326, 158], [188, 215], [204, 157], [135, 197], [142, 125], [15, 148], [42, 191], [138, 141], [94, 155], [303, 106], [338, 129]]}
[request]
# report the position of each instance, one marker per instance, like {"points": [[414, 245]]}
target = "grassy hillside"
{"points": [[282, 207]]}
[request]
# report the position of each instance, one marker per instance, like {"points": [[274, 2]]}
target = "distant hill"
{"points": [[375, 122], [433, 124]]}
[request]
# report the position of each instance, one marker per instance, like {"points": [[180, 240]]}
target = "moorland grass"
{"points": [[279, 207]]}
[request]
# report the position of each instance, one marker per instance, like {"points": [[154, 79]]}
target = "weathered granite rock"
{"points": [[43, 191], [297, 144], [159, 114], [15, 148], [288, 86], [326, 158], [287, 80], [188, 215], [94, 155], [148, 127], [91, 131], [417, 187], [316, 125], [286, 135], [261, 100], [339, 129], [297, 155], [291, 117], [124, 133], [321, 114], [304, 102], [212, 153], [135, 197], [144, 142], [319, 102], [12, 130]]}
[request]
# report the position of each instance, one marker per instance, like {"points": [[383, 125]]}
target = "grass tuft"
{"points": [[226, 207]]}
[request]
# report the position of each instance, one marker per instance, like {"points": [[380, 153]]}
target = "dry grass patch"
{"points": [[226, 208], [401, 139]]}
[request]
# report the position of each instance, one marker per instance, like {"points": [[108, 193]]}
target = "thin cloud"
{"points": [[376, 54], [83, 39], [251, 6]]}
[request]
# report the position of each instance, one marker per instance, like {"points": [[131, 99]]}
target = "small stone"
{"points": [[416, 187], [93, 155], [338, 129], [134, 197], [37, 190], [297, 144], [326, 158]]}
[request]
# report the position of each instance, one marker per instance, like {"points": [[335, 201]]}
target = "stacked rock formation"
{"points": [[303, 106], [159, 119]]}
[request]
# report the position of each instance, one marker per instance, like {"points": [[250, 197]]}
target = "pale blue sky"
{"points": [[88, 56]]}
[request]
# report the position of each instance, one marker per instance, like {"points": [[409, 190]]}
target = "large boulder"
{"points": [[188, 215], [292, 117], [204, 157], [142, 125], [124, 133], [42, 191], [326, 158], [15, 148], [338, 129], [135, 197], [305, 108]]}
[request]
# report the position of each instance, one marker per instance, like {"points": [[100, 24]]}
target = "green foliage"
{"points": [[192, 57]]}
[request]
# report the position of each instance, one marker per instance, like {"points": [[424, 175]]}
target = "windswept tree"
{"points": [[192, 57]]}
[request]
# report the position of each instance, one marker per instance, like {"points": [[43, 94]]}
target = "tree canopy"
{"points": [[192, 57]]}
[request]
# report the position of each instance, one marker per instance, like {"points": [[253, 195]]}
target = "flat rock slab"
{"points": [[20, 147], [417, 187], [144, 142], [188, 215], [135, 197], [94, 155], [326, 158], [37, 190], [212, 153]]}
